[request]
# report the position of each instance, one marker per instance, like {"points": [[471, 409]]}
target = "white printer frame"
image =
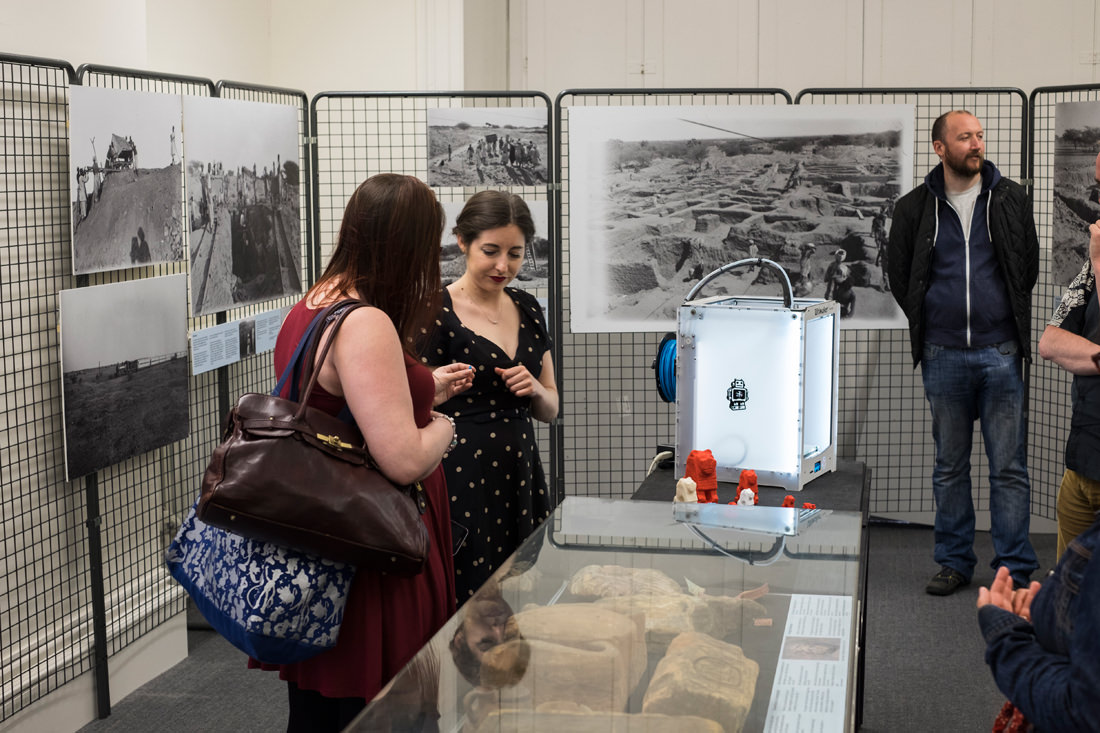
{"points": [[757, 382]]}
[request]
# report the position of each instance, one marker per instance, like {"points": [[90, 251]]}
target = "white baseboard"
{"points": [[73, 705]]}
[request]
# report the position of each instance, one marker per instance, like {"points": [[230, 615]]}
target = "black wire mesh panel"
{"points": [[139, 497], [44, 618], [1050, 383], [136, 494], [883, 416], [613, 419], [360, 134]]}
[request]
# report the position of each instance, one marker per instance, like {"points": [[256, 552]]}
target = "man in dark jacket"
{"points": [[963, 258]]}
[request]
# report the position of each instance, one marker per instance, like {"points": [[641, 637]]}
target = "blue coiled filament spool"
{"points": [[664, 368]]}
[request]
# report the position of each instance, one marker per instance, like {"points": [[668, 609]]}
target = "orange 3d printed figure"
{"points": [[748, 481], [703, 469]]}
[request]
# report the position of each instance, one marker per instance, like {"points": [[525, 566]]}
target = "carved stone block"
{"points": [[703, 676]]}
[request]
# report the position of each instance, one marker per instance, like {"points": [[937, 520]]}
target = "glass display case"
{"points": [[614, 615]]}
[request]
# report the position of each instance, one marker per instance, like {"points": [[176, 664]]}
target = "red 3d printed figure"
{"points": [[748, 481], [703, 469]]}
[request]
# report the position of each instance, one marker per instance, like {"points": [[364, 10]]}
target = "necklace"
{"points": [[481, 308]]}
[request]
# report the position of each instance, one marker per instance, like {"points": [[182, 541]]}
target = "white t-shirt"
{"points": [[963, 203]]}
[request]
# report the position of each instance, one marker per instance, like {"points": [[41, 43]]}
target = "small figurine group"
{"points": [[748, 493], [700, 483], [788, 501]]}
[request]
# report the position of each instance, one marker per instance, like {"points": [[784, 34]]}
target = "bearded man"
{"points": [[963, 258]]}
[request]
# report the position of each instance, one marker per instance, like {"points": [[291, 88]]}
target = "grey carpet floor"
{"points": [[924, 658]]}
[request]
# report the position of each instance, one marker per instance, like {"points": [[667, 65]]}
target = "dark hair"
{"points": [[941, 122], [387, 252], [466, 662], [487, 210]]}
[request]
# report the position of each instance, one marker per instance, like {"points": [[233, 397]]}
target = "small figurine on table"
{"points": [[703, 469], [685, 491], [788, 501], [746, 498], [809, 505], [748, 481]]}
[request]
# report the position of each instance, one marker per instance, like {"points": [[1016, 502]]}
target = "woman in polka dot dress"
{"points": [[494, 476]]}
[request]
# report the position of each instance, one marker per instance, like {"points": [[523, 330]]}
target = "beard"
{"points": [[964, 165]]}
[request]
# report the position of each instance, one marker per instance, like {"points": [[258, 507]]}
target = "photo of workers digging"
{"points": [[660, 197], [242, 207]]}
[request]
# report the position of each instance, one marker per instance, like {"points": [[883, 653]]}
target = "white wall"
{"points": [[208, 38], [486, 44], [377, 45], [110, 32], [559, 44], [796, 44], [340, 45]]}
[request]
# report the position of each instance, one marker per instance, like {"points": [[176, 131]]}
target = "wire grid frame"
{"points": [[54, 601], [613, 421], [136, 496], [1051, 404], [883, 418], [44, 587], [360, 134]]}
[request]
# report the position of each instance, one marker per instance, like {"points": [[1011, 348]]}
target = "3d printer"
{"points": [[755, 382]]}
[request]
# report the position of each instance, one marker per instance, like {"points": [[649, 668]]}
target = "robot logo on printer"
{"points": [[737, 395]]}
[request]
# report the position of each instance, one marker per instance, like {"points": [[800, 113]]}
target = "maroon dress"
{"points": [[387, 618]]}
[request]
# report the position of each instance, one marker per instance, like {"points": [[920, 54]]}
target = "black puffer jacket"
{"points": [[912, 243]]}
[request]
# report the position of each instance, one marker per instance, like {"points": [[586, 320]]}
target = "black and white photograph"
{"points": [[659, 197], [124, 370], [1076, 194], [246, 330], [125, 177], [533, 275], [488, 146], [243, 182]]}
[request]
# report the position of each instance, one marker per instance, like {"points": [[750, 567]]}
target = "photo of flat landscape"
{"points": [[659, 197], [124, 370]]}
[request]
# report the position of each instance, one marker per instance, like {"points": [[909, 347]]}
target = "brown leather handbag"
{"points": [[299, 477]]}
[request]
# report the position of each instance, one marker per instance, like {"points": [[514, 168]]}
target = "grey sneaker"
{"points": [[946, 581]]}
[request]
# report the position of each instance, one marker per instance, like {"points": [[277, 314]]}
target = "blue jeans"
{"points": [[964, 385]]}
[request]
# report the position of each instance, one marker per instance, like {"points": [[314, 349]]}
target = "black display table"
{"points": [[847, 488]]}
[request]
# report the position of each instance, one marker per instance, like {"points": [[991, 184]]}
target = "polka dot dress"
{"points": [[494, 477]]}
